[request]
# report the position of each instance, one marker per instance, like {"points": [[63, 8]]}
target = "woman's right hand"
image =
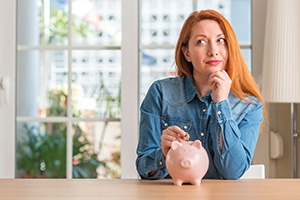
{"points": [[169, 135]]}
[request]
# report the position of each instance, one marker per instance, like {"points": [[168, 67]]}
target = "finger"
{"points": [[177, 131], [169, 138]]}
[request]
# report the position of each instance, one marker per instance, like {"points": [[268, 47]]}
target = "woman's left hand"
{"points": [[221, 83]]}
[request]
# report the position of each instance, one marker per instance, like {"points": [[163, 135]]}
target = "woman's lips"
{"points": [[213, 62]]}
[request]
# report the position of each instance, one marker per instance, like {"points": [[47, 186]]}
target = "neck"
{"points": [[202, 86]]}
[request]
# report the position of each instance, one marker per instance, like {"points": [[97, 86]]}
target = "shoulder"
{"points": [[248, 99], [250, 103], [169, 83], [168, 80]]}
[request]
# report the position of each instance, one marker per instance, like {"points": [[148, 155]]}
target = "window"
{"points": [[80, 62], [68, 88], [161, 22]]}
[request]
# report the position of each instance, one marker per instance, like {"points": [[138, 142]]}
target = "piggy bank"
{"points": [[187, 162]]}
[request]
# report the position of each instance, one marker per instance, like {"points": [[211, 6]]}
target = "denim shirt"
{"points": [[175, 101]]}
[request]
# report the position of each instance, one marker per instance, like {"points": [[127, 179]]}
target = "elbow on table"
{"points": [[233, 175]]}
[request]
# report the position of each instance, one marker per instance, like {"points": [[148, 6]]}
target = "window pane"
{"points": [[53, 21], [241, 20], [156, 64], [97, 81], [247, 53], [96, 22], [161, 20], [42, 83], [96, 149], [41, 150], [29, 30]]}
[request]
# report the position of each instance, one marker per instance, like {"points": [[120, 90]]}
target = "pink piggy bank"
{"points": [[187, 162]]}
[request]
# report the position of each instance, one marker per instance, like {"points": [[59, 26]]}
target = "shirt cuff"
{"points": [[222, 111], [160, 163]]}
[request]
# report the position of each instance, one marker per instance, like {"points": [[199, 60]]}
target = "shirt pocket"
{"points": [[184, 124]]}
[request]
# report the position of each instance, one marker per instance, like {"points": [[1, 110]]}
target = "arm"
{"points": [[150, 157], [233, 156]]}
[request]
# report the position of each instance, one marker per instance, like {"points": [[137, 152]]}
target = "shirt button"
{"points": [[160, 163], [202, 134], [185, 127], [204, 110], [166, 124], [219, 112]]}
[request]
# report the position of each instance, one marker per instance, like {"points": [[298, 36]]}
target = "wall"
{"points": [[7, 63], [279, 116], [259, 8]]}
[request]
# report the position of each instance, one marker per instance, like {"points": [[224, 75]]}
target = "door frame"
{"points": [[7, 69]]}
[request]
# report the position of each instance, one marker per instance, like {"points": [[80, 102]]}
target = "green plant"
{"points": [[41, 154], [85, 161], [44, 154], [56, 31], [41, 149]]}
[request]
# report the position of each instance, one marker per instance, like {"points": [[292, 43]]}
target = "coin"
{"points": [[186, 137]]}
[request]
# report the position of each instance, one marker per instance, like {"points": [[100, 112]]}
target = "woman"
{"points": [[213, 99]]}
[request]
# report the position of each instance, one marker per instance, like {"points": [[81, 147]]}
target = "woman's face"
{"points": [[207, 48]]}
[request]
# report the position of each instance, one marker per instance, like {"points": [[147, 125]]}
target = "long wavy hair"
{"points": [[243, 83]]}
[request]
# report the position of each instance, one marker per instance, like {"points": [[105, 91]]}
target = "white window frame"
{"points": [[7, 69], [130, 87]]}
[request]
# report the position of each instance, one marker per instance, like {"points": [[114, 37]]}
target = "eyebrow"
{"points": [[202, 35]]}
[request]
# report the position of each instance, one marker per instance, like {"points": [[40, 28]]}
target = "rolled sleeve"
{"points": [[154, 161], [239, 137], [222, 111]]}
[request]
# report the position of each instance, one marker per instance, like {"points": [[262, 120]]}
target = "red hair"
{"points": [[243, 83]]}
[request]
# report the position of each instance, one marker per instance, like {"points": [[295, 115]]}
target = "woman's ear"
{"points": [[186, 53]]}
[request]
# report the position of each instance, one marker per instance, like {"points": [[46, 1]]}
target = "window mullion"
{"points": [[130, 86], [69, 100]]}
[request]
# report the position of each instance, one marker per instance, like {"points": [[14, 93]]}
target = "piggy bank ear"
{"points": [[197, 144], [175, 145]]}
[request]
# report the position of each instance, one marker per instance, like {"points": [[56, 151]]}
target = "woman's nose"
{"points": [[211, 53]]}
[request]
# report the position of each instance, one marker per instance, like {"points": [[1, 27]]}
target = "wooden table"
{"points": [[135, 189]]}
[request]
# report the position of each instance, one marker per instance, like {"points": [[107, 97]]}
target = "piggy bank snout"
{"points": [[185, 163]]}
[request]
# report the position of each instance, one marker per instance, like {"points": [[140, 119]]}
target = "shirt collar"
{"points": [[190, 89]]}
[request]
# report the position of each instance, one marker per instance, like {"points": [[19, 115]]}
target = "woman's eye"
{"points": [[200, 42], [222, 40]]}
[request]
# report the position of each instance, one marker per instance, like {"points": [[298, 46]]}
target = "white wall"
{"points": [[7, 68]]}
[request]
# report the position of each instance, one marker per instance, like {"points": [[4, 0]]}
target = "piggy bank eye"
{"points": [[182, 150]]}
